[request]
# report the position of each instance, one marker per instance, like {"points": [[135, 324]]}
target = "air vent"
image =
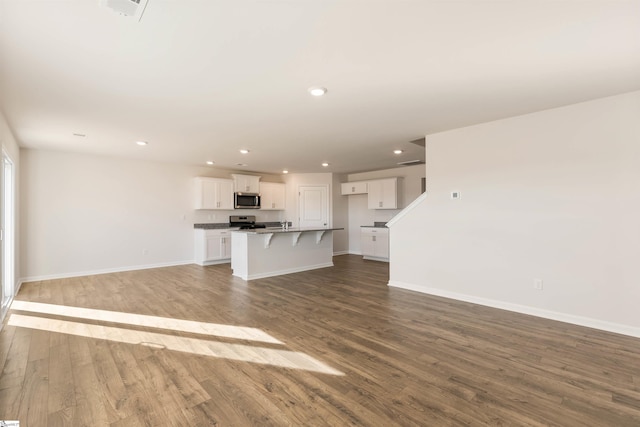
{"points": [[411, 162], [130, 8]]}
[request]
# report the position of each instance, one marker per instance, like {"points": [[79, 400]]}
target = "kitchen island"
{"points": [[274, 251]]}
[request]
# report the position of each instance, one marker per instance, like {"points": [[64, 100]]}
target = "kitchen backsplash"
{"points": [[209, 217], [223, 225]]}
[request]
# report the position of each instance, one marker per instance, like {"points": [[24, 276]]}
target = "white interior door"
{"points": [[314, 206]]}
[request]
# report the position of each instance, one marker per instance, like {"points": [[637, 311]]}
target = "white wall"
{"points": [[88, 214], [553, 195], [10, 146], [360, 214]]}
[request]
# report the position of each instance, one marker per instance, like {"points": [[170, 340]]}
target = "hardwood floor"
{"points": [[392, 357]]}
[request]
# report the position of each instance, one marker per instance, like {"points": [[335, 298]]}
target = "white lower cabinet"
{"points": [[212, 246], [374, 243]]}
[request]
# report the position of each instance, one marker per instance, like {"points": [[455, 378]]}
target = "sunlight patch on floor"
{"points": [[218, 330], [240, 352]]}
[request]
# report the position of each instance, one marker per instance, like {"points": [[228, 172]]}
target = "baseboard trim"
{"points": [[18, 286], [216, 262], [589, 322], [375, 258], [286, 271], [102, 271], [341, 253]]}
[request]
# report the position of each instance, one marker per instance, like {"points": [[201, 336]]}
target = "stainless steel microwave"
{"points": [[246, 200]]}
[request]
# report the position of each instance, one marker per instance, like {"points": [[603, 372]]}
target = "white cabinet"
{"points": [[212, 246], [214, 193], [246, 183], [374, 243], [383, 194], [273, 196], [356, 187]]}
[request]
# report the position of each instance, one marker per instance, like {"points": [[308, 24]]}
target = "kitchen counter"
{"points": [[376, 225], [269, 230], [271, 252], [226, 226]]}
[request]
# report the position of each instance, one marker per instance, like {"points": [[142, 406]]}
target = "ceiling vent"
{"points": [[131, 8], [411, 162]]}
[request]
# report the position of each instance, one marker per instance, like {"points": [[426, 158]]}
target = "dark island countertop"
{"points": [[376, 225], [272, 230]]}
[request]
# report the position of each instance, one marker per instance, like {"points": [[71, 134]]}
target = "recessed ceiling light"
{"points": [[244, 151], [397, 151], [325, 164], [285, 171], [209, 162], [317, 91], [142, 143]]}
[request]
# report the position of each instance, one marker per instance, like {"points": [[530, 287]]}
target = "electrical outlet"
{"points": [[537, 284], [145, 252], [455, 195]]}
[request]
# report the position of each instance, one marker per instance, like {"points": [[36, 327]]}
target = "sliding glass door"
{"points": [[7, 231]]}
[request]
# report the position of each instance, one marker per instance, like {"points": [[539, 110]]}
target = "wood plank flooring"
{"points": [[406, 359]]}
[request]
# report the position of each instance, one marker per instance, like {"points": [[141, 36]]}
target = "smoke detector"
{"points": [[130, 8]]}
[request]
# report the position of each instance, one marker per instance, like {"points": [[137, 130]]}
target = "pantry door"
{"points": [[313, 206]]}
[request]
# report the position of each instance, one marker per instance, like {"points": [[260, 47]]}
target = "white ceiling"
{"points": [[199, 80]]}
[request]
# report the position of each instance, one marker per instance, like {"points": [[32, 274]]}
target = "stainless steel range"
{"points": [[245, 222]]}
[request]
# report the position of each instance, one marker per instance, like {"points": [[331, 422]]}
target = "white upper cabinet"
{"points": [[273, 196], [356, 187], [213, 193], [383, 194], [246, 183]]}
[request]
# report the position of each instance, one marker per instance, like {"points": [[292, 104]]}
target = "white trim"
{"points": [[103, 271], [406, 210], [375, 258], [214, 262], [589, 322], [286, 271], [341, 253]]}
